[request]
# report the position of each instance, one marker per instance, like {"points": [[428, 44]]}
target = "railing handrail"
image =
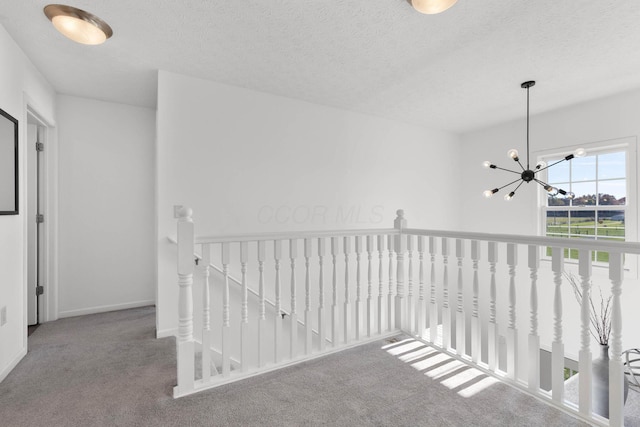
{"points": [[559, 242], [581, 243], [286, 235]]}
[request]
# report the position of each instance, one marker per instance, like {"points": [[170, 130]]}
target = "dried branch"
{"points": [[600, 319]]}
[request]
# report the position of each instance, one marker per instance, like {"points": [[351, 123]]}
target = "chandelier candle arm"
{"points": [[492, 166]]}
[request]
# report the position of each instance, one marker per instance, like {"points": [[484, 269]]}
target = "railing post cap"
{"points": [[185, 213], [400, 222]]}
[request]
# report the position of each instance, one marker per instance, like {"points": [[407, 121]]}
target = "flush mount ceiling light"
{"points": [[527, 175], [431, 7], [78, 25]]}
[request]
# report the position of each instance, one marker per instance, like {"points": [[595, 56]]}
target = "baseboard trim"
{"points": [[164, 333], [104, 308], [6, 371]]}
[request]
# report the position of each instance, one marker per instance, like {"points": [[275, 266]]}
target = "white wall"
{"points": [[248, 161], [20, 82], [106, 206], [600, 120]]}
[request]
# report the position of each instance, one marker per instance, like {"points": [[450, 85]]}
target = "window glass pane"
{"points": [[611, 225], [585, 193], [558, 173], [557, 223], [583, 168], [612, 165], [558, 200], [583, 223], [612, 192]]}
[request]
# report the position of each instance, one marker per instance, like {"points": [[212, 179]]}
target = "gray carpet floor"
{"points": [[109, 370]]}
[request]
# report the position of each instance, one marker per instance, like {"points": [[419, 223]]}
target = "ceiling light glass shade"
{"points": [[78, 25], [431, 7]]}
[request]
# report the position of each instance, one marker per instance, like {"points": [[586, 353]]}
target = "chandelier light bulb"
{"points": [[552, 190], [571, 195], [486, 164], [580, 152], [488, 194], [513, 153], [431, 7], [509, 196], [541, 165]]}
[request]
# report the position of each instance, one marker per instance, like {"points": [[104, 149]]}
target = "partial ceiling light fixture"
{"points": [[431, 7], [527, 174], [78, 25]]}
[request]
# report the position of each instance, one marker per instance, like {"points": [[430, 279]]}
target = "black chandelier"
{"points": [[527, 174]]}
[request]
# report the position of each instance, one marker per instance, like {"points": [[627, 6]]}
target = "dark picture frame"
{"points": [[8, 164]]}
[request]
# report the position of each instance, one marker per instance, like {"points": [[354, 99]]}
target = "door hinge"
{"points": [[39, 219], [39, 290], [39, 146]]}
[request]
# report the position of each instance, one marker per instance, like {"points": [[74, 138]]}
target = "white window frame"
{"points": [[630, 146]]}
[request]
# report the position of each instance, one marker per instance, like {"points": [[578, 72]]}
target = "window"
{"points": [[600, 209]]}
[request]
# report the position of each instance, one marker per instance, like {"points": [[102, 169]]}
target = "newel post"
{"points": [[185, 344], [400, 223]]}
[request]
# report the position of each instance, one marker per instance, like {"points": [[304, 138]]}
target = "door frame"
{"points": [[49, 205]]}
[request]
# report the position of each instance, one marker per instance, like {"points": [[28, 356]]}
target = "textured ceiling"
{"points": [[459, 71]]}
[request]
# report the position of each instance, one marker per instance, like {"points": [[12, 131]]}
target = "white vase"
{"points": [[600, 383]]}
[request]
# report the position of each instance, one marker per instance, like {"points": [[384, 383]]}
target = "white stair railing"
{"points": [[460, 266]]}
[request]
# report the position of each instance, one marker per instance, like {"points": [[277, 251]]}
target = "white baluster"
{"points": [[206, 314], [370, 309], [322, 335], [460, 317], [390, 309], [226, 313], [308, 334], [400, 223], [245, 349], [359, 303], [277, 335], [411, 304], [584, 367], [334, 308], [381, 301], [446, 311], [433, 302], [347, 302], [534, 339], [475, 318], [512, 331], [262, 331], [421, 316], [185, 344], [557, 346], [616, 369], [492, 329], [293, 338]]}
